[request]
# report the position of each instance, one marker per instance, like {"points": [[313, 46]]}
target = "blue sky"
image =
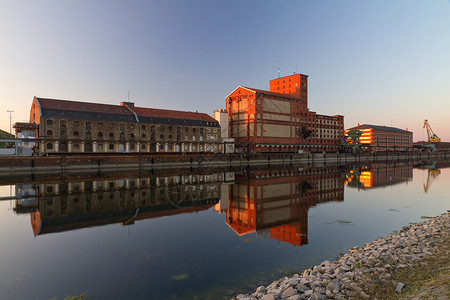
{"points": [[375, 62]]}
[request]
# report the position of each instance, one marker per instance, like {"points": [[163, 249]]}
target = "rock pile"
{"points": [[344, 278]]}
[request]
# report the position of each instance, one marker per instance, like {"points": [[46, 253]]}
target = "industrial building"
{"points": [[76, 127], [383, 138], [279, 120]]}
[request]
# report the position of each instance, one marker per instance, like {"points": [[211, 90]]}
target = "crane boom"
{"points": [[432, 137]]}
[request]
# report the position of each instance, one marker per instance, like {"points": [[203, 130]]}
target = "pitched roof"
{"points": [[172, 114], [380, 128], [69, 105], [82, 106], [263, 92]]}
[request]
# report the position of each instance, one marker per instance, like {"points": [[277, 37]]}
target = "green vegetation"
{"points": [[4, 135], [183, 276], [81, 297]]}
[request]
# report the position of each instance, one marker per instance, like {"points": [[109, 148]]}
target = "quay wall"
{"points": [[82, 163]]}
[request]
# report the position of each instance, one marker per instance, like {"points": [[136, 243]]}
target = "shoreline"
{"points": [[77, 163], [365, 271]]}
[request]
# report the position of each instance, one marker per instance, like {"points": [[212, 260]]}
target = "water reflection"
{"points": [[253, 220], [276, 203], [378, 175], [56, 207]]}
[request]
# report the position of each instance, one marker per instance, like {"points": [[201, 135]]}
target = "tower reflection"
{"points": [[276, 203]]}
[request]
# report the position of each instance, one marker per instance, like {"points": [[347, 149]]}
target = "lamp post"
{"points": [[10, 123]]}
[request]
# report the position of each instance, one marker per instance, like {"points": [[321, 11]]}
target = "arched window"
{"points": [[88, 125], [49, 132], [49, 122], [88, 135], [152, 129], [62, 124], [132, 136], [143, 135], [111, 146], [111, 135], [63, 134], [122, 136], [49, 146], [100, 135], [161, 136]]}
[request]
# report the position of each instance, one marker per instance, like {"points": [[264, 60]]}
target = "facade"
{"points": [[72, 126], [383, 138], [279, 120]]}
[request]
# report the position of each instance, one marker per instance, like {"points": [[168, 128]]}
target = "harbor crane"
{"points": [[432, 137]]}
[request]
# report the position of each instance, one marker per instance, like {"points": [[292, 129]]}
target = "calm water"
{"points": [[199, 236]]}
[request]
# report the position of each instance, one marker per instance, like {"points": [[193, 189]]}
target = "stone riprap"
{"points": [[345, 278]]}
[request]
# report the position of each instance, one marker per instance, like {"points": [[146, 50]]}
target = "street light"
{"points": [[10, 123]]}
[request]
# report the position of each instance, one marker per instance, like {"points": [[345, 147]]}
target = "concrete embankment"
{"points": [[148, 161], [377, 263]]}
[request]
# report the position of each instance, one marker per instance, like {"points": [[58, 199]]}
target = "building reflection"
{"points": [[56, 207], [276, 203], [379, 175]]}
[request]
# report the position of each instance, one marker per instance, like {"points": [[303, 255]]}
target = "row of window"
{"points": [[63, 135], [88, 126]]}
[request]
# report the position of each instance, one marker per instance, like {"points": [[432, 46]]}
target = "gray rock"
{"points": [[268, 297], [289, 292], [399, 287]]}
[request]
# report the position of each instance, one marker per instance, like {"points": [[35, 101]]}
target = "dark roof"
{"points": [[82, 106], [109, 112], [380, 128], [173, 114]]}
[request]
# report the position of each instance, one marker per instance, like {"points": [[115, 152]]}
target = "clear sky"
{"points": [[375, 62]]}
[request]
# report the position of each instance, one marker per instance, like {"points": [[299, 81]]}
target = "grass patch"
{"points": [[429, 279]]}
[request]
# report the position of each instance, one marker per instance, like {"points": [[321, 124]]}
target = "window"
{"points": [[76, 146], [49, 122], [100, 147], [132, 146], [170, 136], [186, 129], [122, 127], [178, 129], [152, 129], [49, 132], [88, 135], [170, 128], [143, 135], [88, 126], [143, 147], [49, 146], [76, 133], [121, 136], [143, 127], [132, 136], [201, 130], [76, 123], [100, 135], [161, 128], [132, 126], [63, 134], [111, 147], [161, 136], [194, 130], [111, 135], [62, 124]]}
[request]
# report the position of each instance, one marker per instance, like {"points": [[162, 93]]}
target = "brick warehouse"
{"points": [[384, 138], [279, 120], [72, 126]]}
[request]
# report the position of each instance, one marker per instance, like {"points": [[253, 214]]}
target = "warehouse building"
{"points": [[73, 126], [279, 120], [383, 138]]}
